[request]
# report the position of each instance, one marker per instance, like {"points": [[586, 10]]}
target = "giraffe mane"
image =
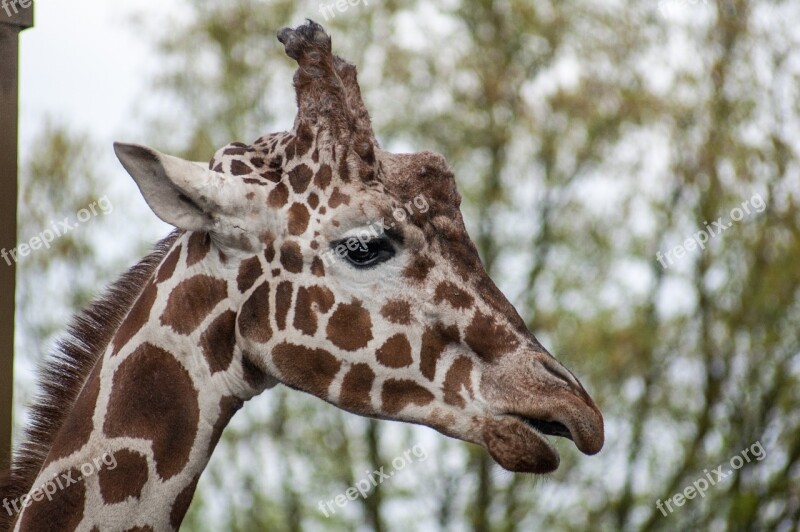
{"points": [[64, 373]]}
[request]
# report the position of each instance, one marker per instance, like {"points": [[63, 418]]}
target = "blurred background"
{"points": [[589, 139]]}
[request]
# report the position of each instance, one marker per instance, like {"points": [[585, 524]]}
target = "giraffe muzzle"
{"points": [[544, 401]]}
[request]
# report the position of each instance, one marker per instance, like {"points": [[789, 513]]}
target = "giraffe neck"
{"points": [[151, 412]]}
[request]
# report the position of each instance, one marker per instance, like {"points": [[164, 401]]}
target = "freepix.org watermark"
{"points": [[327, 9], [365, 485], [57, 230], [699, 239], [12, 7], [701, 485], [60, 482]]}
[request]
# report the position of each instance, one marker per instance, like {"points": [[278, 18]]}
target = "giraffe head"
{"points": [[357, 281]]}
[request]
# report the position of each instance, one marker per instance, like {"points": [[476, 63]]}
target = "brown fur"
{"points": [[63, 376]]}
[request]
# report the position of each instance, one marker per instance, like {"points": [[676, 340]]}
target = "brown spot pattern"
{"points": [[344, 170], [181, 504], [153, 397], [278, 196], [337, 199], [299, 177], [298, 219], [399, 393], [291, 257], [126, 480], [240, 168], [269, 252], [249, 272], [78, 425], [283, 302], [252, 373], [397, 311], [236, 150], [64, 512], [356, 388], [254, 316], [487, 339], [457, 298], [272, 175], [191, 301], [218, 341], [419, 268], [228, 406], [458, 378], [305, 315], [136, 318], [198, 247], [395, 352], [323, 177], [350, 327], [310, 370], [167, 267], [434, 341], [317, 268]]}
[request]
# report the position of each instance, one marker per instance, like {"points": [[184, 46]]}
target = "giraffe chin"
{"points": [[517, 447]]}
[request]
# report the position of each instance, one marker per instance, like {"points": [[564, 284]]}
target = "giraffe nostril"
{"points": [[556, 370]]}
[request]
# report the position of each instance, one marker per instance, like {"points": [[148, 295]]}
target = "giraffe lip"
{"points": [[519, 446], [550, 428]]}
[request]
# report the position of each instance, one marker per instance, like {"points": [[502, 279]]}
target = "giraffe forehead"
{"points": [[290, 175]]}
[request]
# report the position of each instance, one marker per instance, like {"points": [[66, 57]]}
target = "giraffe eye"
{"points": [[365, 254]]}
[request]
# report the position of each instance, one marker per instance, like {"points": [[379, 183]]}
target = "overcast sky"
{"points": [[83, 63]]}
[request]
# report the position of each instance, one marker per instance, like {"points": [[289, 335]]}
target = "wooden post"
{"points": [[15, 16]]}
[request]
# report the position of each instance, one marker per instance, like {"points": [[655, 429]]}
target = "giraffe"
{"points": [[405, 324]]}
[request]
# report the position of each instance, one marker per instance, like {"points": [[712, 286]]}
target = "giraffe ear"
{"points": [[182, 193]]}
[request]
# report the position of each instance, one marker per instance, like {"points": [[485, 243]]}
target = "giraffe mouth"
{"points": [[550, 428], [519, 443]]}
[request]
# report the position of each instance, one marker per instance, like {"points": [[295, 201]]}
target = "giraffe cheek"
{"points": [[350, 327], [458, 382], [310, 370], [395, 352], [311, 301]]}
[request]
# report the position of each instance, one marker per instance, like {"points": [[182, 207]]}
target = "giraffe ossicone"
{"points": [[406, 325]]}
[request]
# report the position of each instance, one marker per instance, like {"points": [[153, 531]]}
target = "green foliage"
{"points": [[55, 183]]}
